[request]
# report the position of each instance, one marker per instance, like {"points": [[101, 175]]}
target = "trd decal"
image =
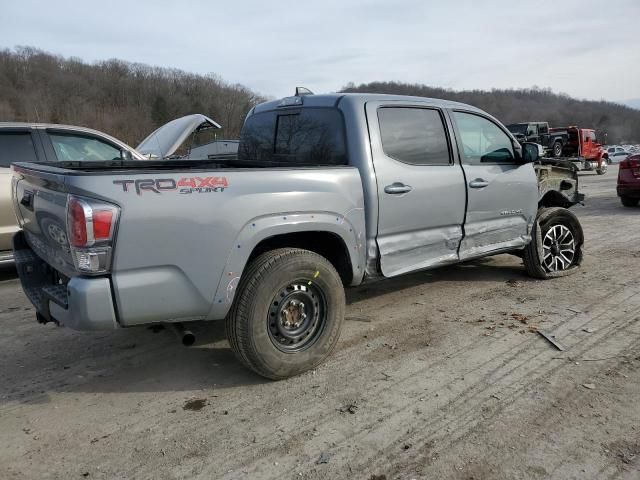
{"points": [[186, 185]]}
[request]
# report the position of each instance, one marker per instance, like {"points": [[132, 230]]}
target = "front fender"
{"points": [[349, 227]]}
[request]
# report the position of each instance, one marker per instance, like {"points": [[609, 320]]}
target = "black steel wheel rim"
{"points": [[297, 316]]}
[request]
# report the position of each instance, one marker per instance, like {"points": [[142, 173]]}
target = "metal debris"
{"points": [[552, 340], [589, 386]]}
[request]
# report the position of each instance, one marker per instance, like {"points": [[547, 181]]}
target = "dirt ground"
{"points": [[437, 375]]}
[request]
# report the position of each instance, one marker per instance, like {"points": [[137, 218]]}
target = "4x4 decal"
{"points": [[186, 185]]}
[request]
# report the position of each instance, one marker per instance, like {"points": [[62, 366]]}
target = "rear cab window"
{"points": [[414, 135], [308, 136], [16, 147]]}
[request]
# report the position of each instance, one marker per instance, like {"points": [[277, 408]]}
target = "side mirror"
{"points": [[125, 155], [530, 152]]}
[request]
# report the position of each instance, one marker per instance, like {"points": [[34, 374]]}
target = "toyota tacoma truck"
{"points": [[326, 192]]}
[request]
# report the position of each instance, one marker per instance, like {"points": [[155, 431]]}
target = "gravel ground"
{"points": [[437, 375]]}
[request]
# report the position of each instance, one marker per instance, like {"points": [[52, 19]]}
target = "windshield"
{"points": [[304, 136], [520, 128]]}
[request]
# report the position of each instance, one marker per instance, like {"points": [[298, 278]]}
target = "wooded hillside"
{"points": [[620, 123], [130, 100], [126, 100]]}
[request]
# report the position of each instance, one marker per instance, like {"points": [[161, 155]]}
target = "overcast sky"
{"points": [[588, 49]]}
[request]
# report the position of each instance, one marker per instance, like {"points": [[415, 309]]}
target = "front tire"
{"points": [[602, 169], [557, 149], [629, 202], [287, 314], [556, 246]]}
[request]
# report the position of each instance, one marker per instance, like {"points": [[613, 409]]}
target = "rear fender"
{"points": [[349, 227]]}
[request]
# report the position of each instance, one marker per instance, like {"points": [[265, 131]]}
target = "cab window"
{"points": [[482, 140], [16, 147], [414, 135], [77, 148]]}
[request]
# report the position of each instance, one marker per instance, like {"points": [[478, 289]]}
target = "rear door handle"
{"points": [[478, 183], [397, 188]]}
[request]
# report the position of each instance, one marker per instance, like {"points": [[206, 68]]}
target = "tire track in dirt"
{"points": [[467, 396]]}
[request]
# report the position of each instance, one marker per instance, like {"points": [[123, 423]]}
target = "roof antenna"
{"points": [[37, 116], [302, 91]]}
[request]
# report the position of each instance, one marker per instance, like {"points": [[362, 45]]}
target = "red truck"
{"points": [[583, 149]]}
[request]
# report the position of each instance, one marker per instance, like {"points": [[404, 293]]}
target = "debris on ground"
{"points": [[324, 458], [589, 386], [520, 317], [626, 450], [195, 404], [552, 340], [574, 310], [588, 330], [406, 446], [348, 408], [512, 282], [378, 477]]}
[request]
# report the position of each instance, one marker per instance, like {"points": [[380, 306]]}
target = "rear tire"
{"points": [[556, 246], [287, 314], [557, 149], [629, 202]]}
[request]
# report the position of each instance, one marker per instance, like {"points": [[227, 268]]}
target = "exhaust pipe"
{"points": [[186, 336]]}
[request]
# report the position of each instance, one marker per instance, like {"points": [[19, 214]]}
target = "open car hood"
{"points": [[164, 141]]}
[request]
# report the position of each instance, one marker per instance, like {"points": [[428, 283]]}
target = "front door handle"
{"points": [[478, 183], [397, 188]]}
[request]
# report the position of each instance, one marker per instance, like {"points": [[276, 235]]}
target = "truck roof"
{"points": [[332, 100]]}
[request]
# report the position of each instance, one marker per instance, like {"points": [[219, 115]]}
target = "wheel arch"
{"points": [[339, 238], [554, 198]]}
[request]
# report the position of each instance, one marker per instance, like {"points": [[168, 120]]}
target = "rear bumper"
{"points": [[631, 191], [81, 303]]}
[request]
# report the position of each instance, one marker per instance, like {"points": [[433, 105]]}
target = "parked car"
{"points": [[327, 191], [617, 154], [629, 181], [539, 132], [165, 141], [27, 142]]}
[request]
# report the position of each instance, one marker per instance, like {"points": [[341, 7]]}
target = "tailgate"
{"points": [[40, 201]]}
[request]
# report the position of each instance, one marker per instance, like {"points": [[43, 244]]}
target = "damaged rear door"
{"points": [[421, 190]]}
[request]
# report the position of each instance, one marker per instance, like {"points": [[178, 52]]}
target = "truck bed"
{"points": [[186, 228]]}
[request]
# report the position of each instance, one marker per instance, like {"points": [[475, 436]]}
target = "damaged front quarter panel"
{"points": [[557, 183]]}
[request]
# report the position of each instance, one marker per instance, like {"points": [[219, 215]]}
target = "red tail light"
{"points": [[102, 220], [632, 163], [89, 222], [90, 227]]}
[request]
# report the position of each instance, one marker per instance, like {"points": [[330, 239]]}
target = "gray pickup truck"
{"points": [[327, 191]]}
